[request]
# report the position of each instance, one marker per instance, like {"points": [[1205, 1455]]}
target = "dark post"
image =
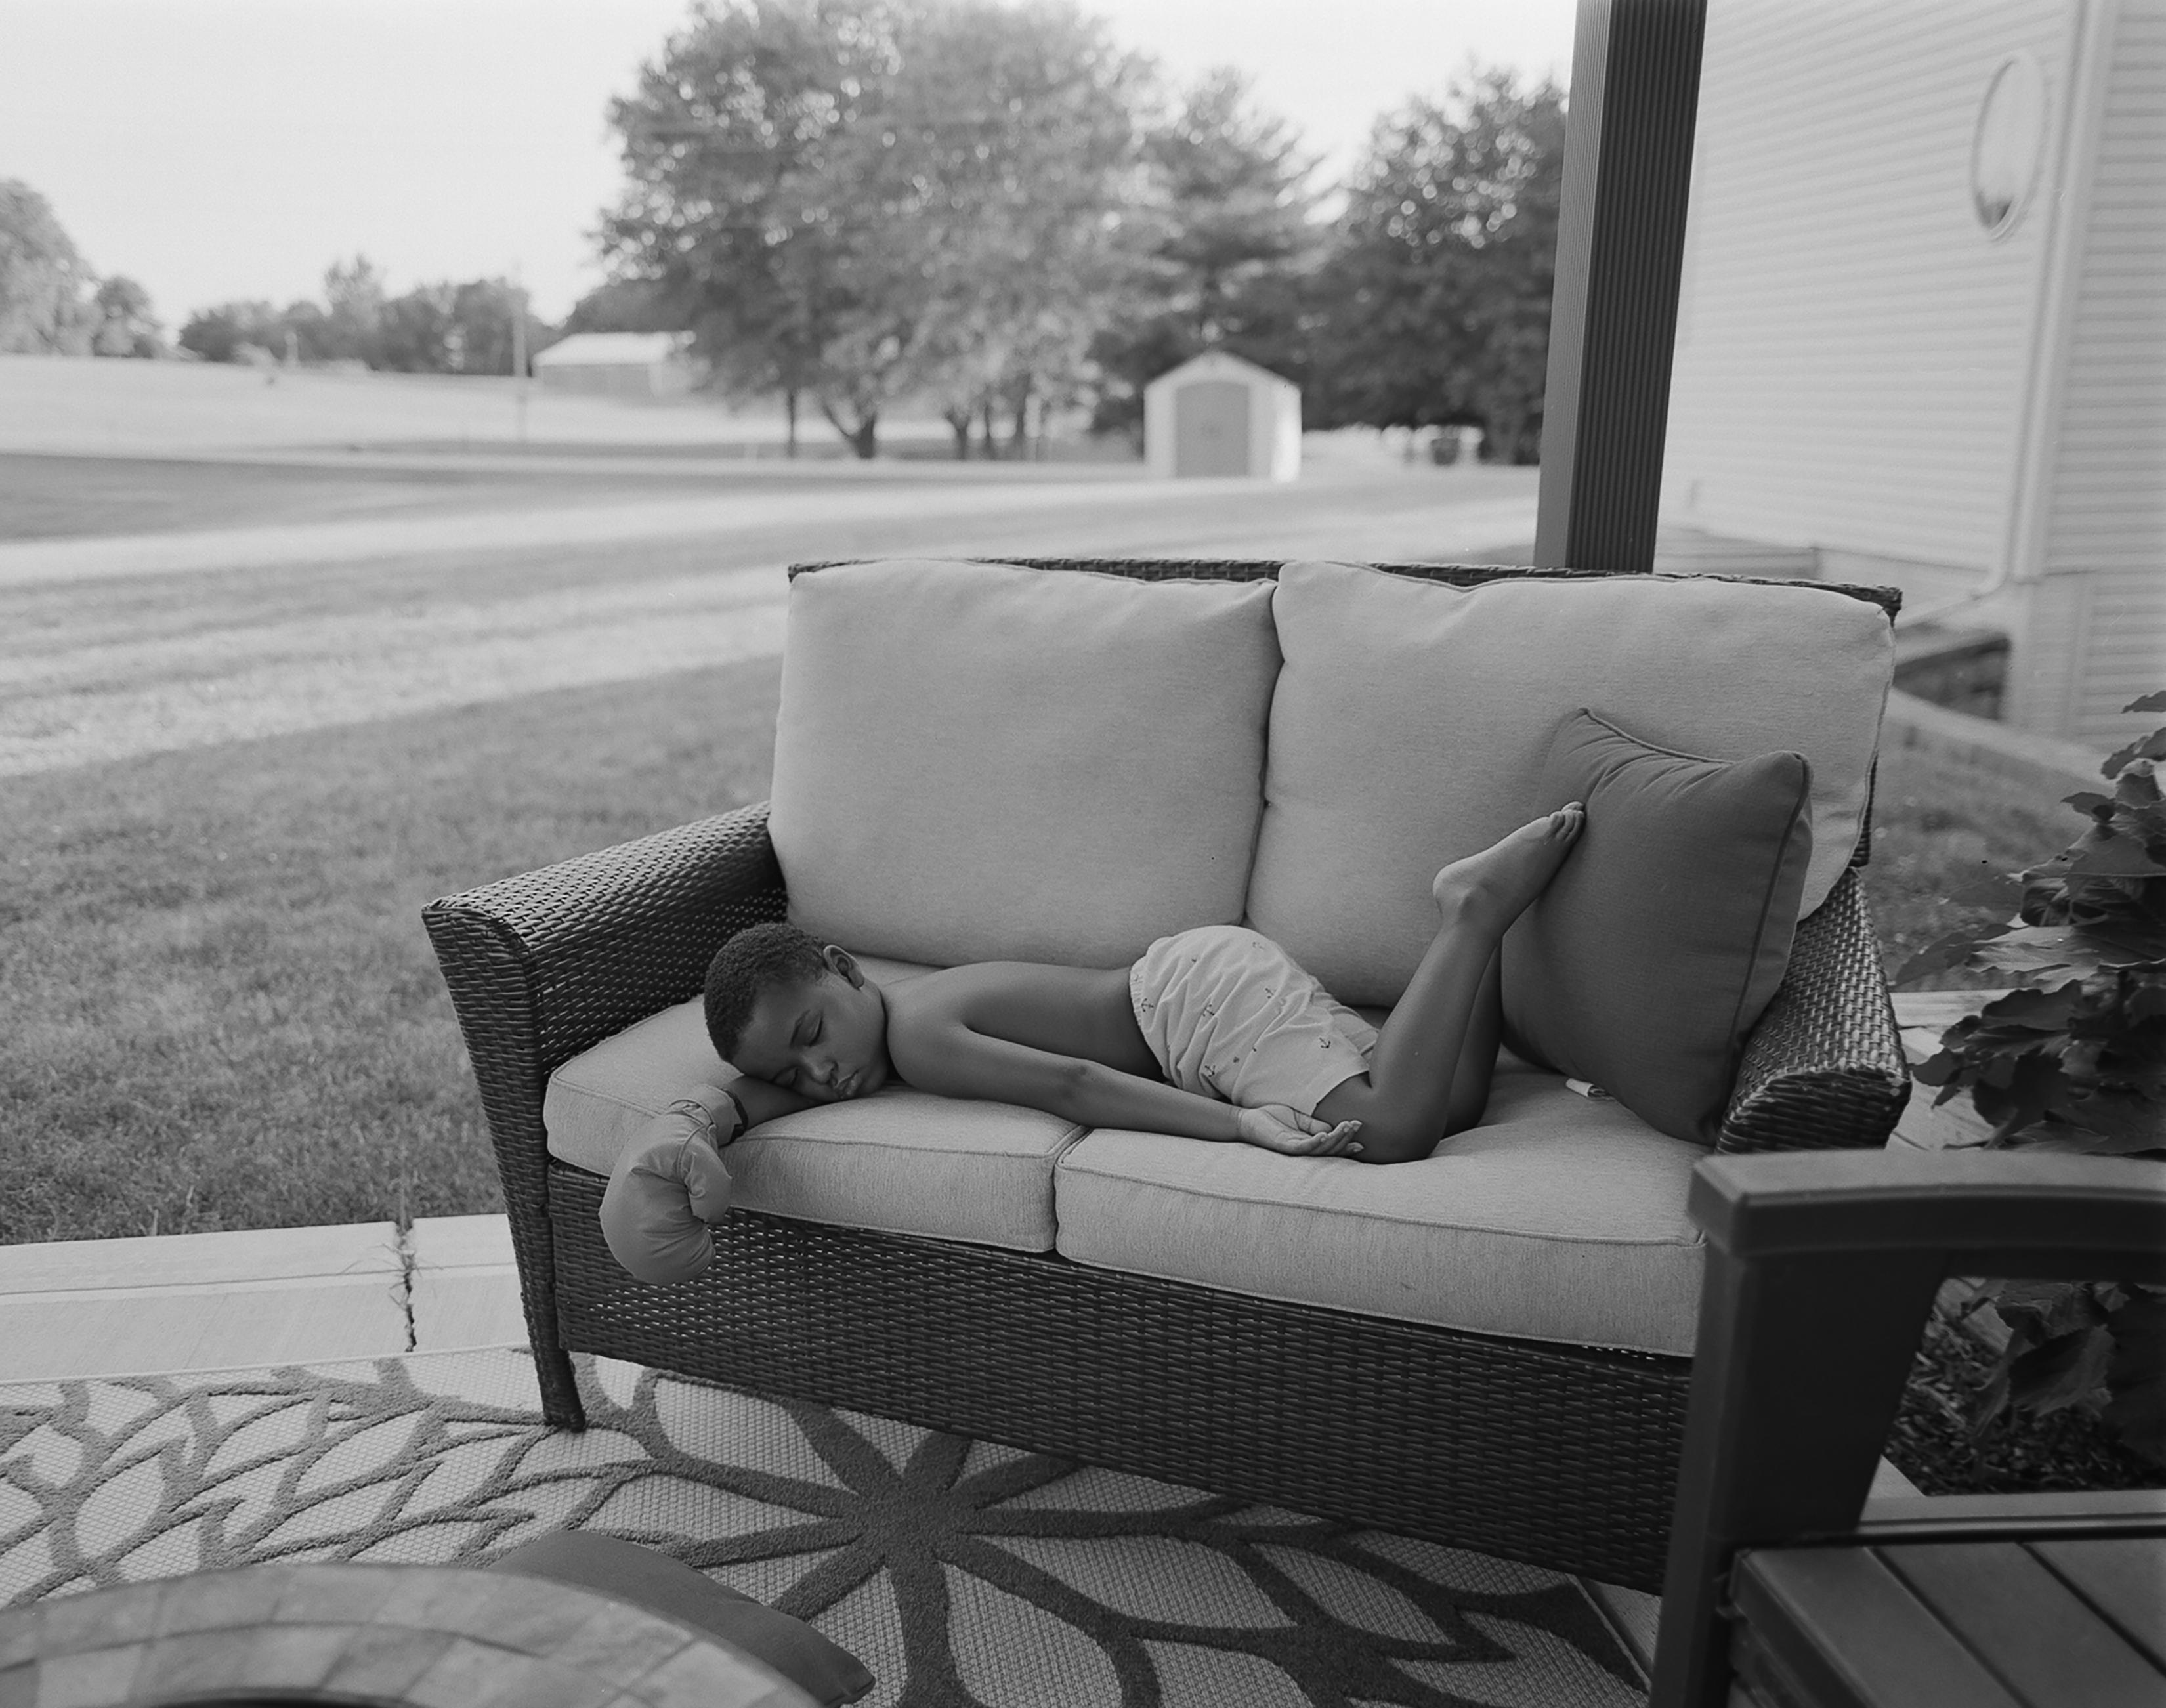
{"points": [[1620, 249]]}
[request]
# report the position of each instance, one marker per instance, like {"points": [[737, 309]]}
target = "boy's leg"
{"points": [[1428, 1074]]}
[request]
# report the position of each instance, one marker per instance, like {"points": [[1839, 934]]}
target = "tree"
{"points": [[226, 332], [42, 279], [353, 296], [125, 324], [417, 333], [1436, 300], [623, 305], [1223, 236], [725, 144], [483, 311], [992, 173], [850, 200]]}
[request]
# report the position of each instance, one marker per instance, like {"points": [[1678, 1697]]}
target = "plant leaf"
{"points": [[2149, 747], [2047, 1010], [2034, 950], [2047, 1309], [1951, 950], [2114, 857], [2135, 1375], [2068, 1370]]}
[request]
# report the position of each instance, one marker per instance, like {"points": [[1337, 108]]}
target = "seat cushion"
{"points": [[1559, 1219], [1662, 940], [977, 762], [900, 1160], [1412, 721]]}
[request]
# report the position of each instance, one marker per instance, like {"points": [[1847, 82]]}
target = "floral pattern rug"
{"points": [[964, 1574]]}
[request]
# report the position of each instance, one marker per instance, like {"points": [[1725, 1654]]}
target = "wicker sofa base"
{"points": [[1400, 1426]]}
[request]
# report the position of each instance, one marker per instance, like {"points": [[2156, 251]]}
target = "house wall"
{"points": [[2095, 637], [1852, 357]]}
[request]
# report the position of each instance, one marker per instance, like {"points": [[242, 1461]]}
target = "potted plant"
{"points": [[2074, 1059]]}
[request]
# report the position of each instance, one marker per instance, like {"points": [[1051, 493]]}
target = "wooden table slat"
{"points": [[2125, 1578], [2041, 1639], [1852, 1631]]}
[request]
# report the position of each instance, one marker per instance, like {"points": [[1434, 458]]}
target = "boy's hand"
{"points": [[1276, 1127]]}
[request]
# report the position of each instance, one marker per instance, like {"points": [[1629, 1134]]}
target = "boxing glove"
{"points": [[668, 1186]]}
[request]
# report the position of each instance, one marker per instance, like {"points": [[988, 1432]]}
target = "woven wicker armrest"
{"points": [[546, 964], [1825, 1067]]}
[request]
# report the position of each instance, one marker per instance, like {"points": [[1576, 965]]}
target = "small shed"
{"points": [[618, 364], [1220, 415]]}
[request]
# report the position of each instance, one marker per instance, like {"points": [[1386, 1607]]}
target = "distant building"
{"points": [[618, 364], [1218, 415], [1923, 330]]}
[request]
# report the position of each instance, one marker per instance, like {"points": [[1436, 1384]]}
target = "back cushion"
{"points": [[1412, 719], [977, 762]]}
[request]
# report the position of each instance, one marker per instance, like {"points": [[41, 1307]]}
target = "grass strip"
{"points": [[218, 1008]]}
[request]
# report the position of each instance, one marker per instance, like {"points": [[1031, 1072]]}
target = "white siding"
{"points": [[1853, 349], [2097, 638]]}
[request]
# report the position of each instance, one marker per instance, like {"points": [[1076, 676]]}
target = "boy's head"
{"points": [[784, 1007]]}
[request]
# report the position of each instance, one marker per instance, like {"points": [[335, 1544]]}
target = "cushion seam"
{"points": [[1389, 1220], [1282, 1297]]}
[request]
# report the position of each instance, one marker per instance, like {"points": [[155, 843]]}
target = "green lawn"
{"points": [[218, 1008], [1939, 825]]}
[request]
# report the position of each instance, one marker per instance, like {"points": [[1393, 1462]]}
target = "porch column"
{"points": [[1620, 249]]}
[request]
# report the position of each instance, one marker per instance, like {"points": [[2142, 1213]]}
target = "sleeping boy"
{"points": [[1213, 1034]]}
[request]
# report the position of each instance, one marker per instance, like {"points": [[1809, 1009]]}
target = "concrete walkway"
{"points": [[150, 1307]]}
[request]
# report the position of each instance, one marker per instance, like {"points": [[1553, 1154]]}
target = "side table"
{"points": [[376, 1636], [2068, 1622]]}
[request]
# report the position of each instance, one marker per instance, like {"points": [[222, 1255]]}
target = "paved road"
{"points": [[116, 647]]}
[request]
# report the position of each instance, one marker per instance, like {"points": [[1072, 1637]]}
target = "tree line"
{"points": [[854, 202], [442, 328], [51, 303]]}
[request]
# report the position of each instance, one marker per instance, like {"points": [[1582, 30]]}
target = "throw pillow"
{"points": [[1647, 962], [825, 1671]]}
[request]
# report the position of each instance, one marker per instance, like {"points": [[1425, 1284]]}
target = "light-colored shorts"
{"points": [[1228, 1014]]}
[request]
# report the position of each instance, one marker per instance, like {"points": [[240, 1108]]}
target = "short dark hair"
{"points": [[747, 967]]}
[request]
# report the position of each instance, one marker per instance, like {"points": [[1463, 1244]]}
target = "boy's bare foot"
{"points": [[1498, 883]]}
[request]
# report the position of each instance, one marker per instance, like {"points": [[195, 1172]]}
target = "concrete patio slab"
{"points": [[200, 1301], [270, 1296], [465, 1285]]}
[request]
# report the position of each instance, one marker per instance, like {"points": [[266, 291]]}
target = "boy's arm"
{"points": [[944, 1056]]}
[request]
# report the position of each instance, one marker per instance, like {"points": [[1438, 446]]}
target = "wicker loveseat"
{"points": [[1422, 1419]]}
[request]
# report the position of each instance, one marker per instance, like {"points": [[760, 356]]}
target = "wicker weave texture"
{"points": [[1888, 598], [1563, 1457], [1824, 1068], [545, 964]]}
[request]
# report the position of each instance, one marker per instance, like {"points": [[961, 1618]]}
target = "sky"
{"points": [[222, 149]]}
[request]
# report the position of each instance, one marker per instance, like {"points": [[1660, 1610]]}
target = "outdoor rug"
{"points": [[964, 1574]]}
